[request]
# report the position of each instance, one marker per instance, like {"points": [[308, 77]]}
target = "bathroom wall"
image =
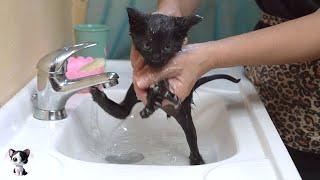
{"points": [[79, 11], [29, 30]]}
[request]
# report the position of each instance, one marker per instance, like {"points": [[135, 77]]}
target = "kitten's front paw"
{"points": [[145, 113], [96, 94]]}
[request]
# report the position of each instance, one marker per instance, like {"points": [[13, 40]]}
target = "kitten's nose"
{"points": [[156, 57]]}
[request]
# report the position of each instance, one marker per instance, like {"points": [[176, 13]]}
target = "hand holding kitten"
{"points": [[182, 71]]}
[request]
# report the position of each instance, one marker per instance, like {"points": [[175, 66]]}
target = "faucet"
{"points": [[54, 88]]}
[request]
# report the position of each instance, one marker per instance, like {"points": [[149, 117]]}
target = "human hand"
{"points": [[182, 72], [137, 63]]}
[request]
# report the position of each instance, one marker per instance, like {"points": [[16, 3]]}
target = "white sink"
{"points": [[160, 140], [236, 137]]}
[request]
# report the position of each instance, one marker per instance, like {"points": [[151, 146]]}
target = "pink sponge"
{"points": [[76, 63], [79, 67]]}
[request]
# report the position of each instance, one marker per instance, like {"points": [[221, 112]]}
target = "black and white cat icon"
{"points": [[19, 159]]}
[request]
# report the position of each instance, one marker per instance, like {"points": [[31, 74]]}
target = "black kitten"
{"points": [[158, 38], [19, 159]]}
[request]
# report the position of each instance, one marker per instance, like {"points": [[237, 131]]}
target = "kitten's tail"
{"points": [[206, 79]]}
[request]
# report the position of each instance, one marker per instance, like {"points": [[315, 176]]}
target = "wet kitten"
{"points": [[158, 38]]}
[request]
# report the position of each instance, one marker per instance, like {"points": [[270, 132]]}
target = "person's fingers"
{"points": [[140, 93], [178, 88], [148, 76], [137, 61], [139, 64], [133, 52]]}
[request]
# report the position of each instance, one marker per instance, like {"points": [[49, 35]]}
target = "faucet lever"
{"points": [[55, 62], [53, 87]]}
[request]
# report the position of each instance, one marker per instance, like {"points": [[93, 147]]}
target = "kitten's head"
{"points": [[158, 37], [19, 157]]}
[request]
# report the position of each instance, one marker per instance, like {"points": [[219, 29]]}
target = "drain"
{"points": [[126, 158]]}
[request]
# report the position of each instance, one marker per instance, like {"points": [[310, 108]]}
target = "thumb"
{"points": [[137, 61]]}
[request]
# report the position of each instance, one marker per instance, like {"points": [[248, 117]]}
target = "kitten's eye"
{"points": [[14, 159], [167, 48], [146, 46]]}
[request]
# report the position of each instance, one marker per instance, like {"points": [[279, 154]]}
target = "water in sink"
{"points": [[149, 146], [158, 140], [126, 145]]}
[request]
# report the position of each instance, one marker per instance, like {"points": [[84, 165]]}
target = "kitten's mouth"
{"points": [[156, 60], [155, 64]]}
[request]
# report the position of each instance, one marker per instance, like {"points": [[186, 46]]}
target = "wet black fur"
{"points": [[160, 30], [159, 37]]}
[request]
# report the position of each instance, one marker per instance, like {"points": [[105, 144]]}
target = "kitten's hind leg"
{"points": [[120, 111], [184, 118]]}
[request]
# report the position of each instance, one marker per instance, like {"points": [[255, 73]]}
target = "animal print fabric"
{"points": [[272, 20], [291, 94]]}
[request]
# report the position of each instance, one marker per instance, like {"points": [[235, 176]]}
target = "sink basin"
{"points": [[236, 137], [161, 140]]}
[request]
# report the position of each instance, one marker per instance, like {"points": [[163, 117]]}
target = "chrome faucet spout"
{"points": [[54, 88], [74, 85]]}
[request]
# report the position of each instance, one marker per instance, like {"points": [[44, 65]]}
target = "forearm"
{"points": [[177, 7], [294, 41]]}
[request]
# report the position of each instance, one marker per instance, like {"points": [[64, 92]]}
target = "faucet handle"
{"points": [[55, 62]]}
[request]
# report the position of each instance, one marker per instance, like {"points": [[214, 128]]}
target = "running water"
{"points": [[148, 146]]}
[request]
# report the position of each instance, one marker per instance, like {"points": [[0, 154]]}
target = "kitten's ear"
{"points": [[187, 22], [137, 20], [27, 151], [11, 151]]}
